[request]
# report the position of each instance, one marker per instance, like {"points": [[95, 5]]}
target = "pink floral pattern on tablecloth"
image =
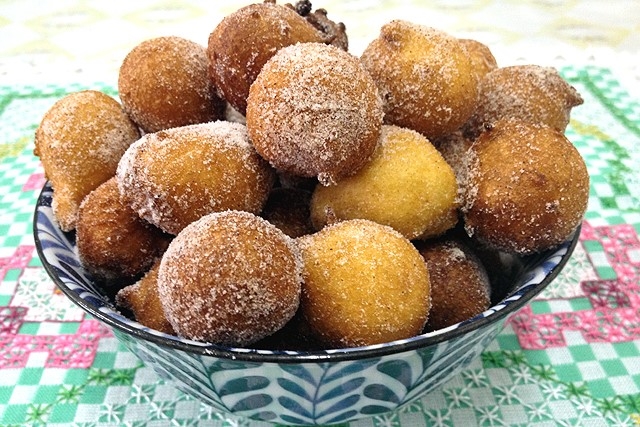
{"points": [[614, 313]]}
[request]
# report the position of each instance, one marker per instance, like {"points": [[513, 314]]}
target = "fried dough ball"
{"points": [[460, 287], [244, 40], [425, 78], [406, 185], [230, 278], [80, 141], [164, 83], [530, 93], [314, 111], [364, 283], [482, 59], [288, 209], [528, 187], [173, 177], [114, 244], [142, 299]]}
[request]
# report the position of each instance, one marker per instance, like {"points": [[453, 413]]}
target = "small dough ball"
{"points": [[407, 185], [364, 283], [142, 299], [114, 244], [314, 111], [173, 177], [460, 287], [482, 59], [80, 141], [425, 78], [244, 41], [288, 209], [164, 83], [530, 93], [527, 189], [230, 278]]}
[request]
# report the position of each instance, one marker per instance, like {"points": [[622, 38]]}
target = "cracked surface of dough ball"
{"points": [[230, 278], [364, 283], [425, 78], [244, 41], [530, 93], [114, 244], [460, 287], [527, 188], [80, 141], [314, 111], [173, 177], [164, 83], [406, 185]]}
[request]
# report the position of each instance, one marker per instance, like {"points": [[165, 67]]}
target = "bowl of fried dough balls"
{"points": [[295, 234]]}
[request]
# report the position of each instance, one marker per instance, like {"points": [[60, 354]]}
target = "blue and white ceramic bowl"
{"points": [[297, 388]]}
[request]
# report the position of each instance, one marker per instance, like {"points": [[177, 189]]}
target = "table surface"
{"points": [[571, 357]]}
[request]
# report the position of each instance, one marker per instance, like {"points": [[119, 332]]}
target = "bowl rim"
{"points": [[494, 314]]}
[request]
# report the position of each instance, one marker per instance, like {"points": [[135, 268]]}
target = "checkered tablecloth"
{"points": [[571, 357]]}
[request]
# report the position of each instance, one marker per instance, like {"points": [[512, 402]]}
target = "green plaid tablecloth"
{"points": [[571, 357]]}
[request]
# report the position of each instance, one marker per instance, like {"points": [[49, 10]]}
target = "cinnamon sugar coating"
{"points": [[314, 111], [230, 278], [80, 141]]}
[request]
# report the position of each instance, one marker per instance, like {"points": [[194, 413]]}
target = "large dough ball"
{"points": [[425, 78], [527, 188], [164, 83], [173, 177], [80, 141], [530, 93], [314, 111], [406, 185], [364, 283], [230, 278]]}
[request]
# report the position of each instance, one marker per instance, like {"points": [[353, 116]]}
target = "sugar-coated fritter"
{"points": [[142, 299], [364, 283], [230, 278], [164, 83], [114, 244], [530, 93], [527, 187], [406, 185], [314, 111], [80, 141], [173, 177], [460, 287], [425, 78]]}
